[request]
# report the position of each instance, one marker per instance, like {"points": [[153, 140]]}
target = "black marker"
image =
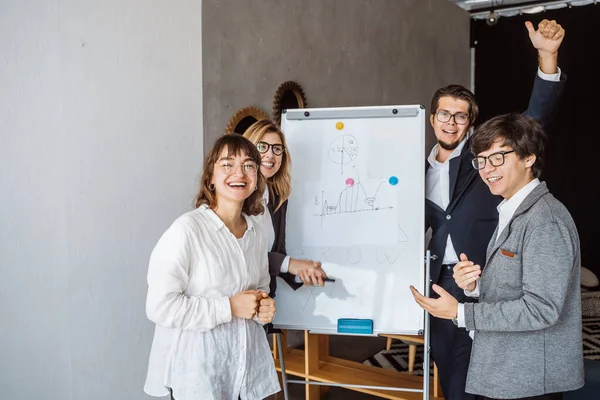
{"points": [[328, 279]]}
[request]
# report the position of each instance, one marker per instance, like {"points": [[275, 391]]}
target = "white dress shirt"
{"points": [[437, 186], [267, 221], [437, 180], [506, 210], [200, 350]]}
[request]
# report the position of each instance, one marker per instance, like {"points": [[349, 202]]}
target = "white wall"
{"points": [[100, 149]]}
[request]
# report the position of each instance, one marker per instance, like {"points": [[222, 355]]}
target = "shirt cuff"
{"points": [[461, 315], [223, 310], [474, 292], [285, 265], [549, 77]]}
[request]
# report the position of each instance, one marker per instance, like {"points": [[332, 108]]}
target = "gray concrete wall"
{"points": [[342, 52], [100, 150]]}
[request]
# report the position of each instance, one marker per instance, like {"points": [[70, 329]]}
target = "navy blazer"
{"points": [[471, 216], [278, 252]]}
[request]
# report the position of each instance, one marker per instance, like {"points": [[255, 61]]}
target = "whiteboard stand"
{"points": [[426, 356], [282, 365]]}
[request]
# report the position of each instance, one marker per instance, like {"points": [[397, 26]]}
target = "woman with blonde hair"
{"points": [[208, 279], [275, 164]]}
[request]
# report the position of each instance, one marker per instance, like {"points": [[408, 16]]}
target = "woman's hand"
{"points": [[245, 304], [309, 271], [266, 309]]}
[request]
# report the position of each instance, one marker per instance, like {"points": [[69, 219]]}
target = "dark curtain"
{"points": [[505, 67]]}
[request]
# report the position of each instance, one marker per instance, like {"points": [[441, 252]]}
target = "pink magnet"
{"points": [[349, 182]]}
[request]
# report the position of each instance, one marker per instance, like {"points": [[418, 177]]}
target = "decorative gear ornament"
{"points": [[285, 87]]}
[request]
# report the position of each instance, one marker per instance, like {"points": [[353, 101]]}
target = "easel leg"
{"points": [[282, 365]]}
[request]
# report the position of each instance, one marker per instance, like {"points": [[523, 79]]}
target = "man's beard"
{"points": [[449, 146]]}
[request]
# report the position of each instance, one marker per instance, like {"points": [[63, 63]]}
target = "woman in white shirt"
{"points": [[275, 166], [207, 288]]}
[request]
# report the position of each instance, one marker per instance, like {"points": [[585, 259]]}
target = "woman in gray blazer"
{"points": [[526, 326]]}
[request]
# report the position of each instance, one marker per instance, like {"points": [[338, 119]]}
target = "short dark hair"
{"points": [[235, 144], [518, 131], [457, 92]]}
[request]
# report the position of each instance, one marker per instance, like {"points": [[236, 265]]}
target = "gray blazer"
{"points": [[528, 320]]}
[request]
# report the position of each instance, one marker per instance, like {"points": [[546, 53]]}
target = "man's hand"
{"points": [[546, 39], [466, 273], [445, 307], [245, 304], [266, 309], [310, 272]]}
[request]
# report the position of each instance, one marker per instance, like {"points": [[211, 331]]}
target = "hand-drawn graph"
{"points": [[352, 199], [343, 150], [350, 212]]}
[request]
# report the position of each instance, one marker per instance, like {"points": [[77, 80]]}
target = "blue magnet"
{"points": [[393, 180]]}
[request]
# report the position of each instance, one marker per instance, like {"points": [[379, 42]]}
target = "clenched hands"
{"points": [[245, 304], [249, 303], [266, 309]]}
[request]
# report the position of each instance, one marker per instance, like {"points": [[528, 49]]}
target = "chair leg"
{"points": [[388, 344], [412, 352]]}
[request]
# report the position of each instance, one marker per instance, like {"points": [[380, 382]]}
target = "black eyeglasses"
{"points": [[263, 147], [459, 118], [495, 159]]}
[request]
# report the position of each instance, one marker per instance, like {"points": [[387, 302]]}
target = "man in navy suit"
{"points": [[459, 208]]}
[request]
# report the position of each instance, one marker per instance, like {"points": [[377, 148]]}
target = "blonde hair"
{"points": [[235, 145], [281, 182]]}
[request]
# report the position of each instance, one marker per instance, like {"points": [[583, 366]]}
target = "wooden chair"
{"points": [[413, 341]]}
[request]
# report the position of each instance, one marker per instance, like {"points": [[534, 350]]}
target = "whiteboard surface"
{"points": [[357, 205]]}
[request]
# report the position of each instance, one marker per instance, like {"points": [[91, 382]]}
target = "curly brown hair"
{"points": [[235, 145]]}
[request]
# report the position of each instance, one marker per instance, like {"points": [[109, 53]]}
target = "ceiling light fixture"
{"points": [[492, 18]]}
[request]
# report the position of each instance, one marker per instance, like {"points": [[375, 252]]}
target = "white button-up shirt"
{"points": [[199, 349], [267, 221], [437, 187], [507, 208]]}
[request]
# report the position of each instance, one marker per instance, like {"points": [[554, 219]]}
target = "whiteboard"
{"points": [[358, 206]]}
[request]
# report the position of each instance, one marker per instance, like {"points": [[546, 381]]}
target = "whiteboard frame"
{"points": [[389, 111]]}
